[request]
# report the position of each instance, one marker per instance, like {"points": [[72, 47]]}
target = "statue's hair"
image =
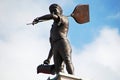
{"points": [[55, 6]]}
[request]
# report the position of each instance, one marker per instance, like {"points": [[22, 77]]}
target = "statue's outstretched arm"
{"points": [[44, 18]]}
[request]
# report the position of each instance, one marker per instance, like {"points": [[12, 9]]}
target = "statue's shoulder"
{"points": [[64, 18]]}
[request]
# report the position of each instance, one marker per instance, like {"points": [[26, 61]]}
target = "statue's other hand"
{"points": [[46, 61]]}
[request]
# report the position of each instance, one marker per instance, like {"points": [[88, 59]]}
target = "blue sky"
{"points": [[101, 13], [95, 45]]}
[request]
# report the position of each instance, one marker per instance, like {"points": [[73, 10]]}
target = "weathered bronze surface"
{"points": [[60, 46]]}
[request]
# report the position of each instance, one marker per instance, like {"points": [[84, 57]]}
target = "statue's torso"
{"points": [[59, 28]]}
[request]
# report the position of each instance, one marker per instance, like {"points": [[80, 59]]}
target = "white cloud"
{"points": [[22, 47], [15, 15], [100, 59]]}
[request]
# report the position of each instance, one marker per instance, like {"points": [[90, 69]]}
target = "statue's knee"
{"points": [[67, 60]]}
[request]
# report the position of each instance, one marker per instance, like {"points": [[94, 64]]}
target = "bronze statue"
{"points": [[60, 46]]}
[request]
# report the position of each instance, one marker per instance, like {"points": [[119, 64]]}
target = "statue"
{"points": [[60, 46]]}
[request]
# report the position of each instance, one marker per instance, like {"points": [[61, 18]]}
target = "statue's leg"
{"points": [[69, 65], [66, 55], [58, 61]]}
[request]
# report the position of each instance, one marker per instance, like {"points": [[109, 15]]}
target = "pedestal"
{"points": [[63, 76]]}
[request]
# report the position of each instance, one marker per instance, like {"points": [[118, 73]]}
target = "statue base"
{"points": [[63, 76]]}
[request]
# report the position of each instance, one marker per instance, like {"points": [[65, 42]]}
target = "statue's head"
{"points": [[55, 9]]}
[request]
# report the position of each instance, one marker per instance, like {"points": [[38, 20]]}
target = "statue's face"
{"points": [[54, 9]]}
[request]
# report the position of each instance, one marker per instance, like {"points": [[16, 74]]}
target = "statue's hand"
{"points": [[35, 21], [46, 61]]}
